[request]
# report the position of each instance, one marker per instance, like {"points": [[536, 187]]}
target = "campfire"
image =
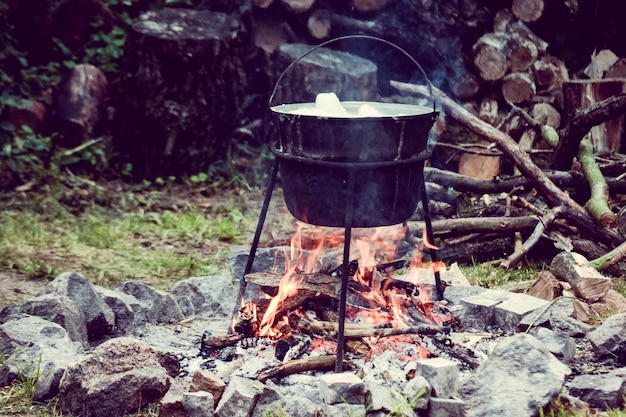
{"points": [[390, 302]]}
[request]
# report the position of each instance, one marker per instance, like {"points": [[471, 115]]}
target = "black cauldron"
{"points": [[356, 171]]}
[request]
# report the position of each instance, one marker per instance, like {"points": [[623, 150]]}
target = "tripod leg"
{"points": [[257, 237], [431, 239]]}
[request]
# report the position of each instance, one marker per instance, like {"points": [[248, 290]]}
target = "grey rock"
{"points": [[239, 398], [34, 347], [442, 375], [446, 407], [99, 317], [276, 399], [479, 311], [342, 387], [600, 391], [608, 338], [56, 308], [560, 344], [518, 377], [418, 392], [207, 294], [119, 376], [129, 312], [380, 397], [198, 404], [511, 311], [161, 307]]}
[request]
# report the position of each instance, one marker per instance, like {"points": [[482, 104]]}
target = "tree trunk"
{"points": [[182, 90]]}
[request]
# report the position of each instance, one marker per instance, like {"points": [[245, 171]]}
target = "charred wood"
{"points": [[312, 363]]}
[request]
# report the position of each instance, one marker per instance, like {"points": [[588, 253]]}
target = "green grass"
{"points": [[111, 245], [489, 275]]}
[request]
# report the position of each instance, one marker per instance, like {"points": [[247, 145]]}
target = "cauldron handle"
{"points": [[358, 36]]}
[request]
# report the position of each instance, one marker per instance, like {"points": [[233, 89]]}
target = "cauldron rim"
{"points": [[393, 111]]}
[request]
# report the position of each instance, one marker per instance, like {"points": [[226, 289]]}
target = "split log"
{"points": [[518, 87], [546, 286], [528, 10], [78, 106], [183, 88], [580, 120], [312, 363], [586, 281], [484, 225], [315, 284], [505, 21], [478, 165]]}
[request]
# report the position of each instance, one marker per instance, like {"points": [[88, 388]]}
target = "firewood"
{"points": [[218, 342], [528, 10], [466, 87], [546, 286], [312, 363], [551, 192], [480, 166], [522, 55], [549, 73], [518, 87], [319, 25], [467, 225], [505, 21], [488, 111], [369, 5], [356, 330], [314, 284], [490, 56], [546, 114], [541, 226], [618, 70], [262, 4], [298, 6], [587, 283], [78, 105]]}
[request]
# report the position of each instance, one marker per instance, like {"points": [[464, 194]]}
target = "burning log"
{"points": [[312, 363]]}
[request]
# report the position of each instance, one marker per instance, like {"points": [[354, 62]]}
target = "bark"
{"points": [[598, 201], [482, 225], [579, 124], [610, 258], [490, 56], [78, 106]]}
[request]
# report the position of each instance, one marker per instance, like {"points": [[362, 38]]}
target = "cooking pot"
{"points": [[352, 171]]}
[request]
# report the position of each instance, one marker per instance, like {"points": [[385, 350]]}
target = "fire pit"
{"points": [[353, 164]]}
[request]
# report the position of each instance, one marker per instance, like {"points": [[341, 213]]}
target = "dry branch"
{"points": [[527, 167]]}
